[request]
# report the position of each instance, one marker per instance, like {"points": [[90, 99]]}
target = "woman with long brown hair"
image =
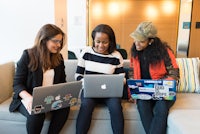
{"points": [[41, 65]]}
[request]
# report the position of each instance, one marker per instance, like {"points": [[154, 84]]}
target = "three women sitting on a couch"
{"points": [[150, 57]]}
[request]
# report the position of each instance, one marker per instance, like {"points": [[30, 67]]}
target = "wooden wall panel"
{"points": [[61, 20], [194, 46], [127, 14]]}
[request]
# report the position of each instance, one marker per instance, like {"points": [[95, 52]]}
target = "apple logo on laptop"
{"points": [[103, 86]]}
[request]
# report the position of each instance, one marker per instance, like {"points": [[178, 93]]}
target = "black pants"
{"points": [[34, 123], [153, 114], [85, 114]]}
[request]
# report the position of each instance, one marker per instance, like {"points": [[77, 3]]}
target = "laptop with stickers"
{"points": [[57, 96], [152, 89], [103, 85]]}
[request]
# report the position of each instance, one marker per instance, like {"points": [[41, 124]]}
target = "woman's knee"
{"points": [[115, 106]]}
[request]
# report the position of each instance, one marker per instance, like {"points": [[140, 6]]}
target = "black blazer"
{"points": [[25, 79]]}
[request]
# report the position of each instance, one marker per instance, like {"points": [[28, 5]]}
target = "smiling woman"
{"points": [[100, 58], [40, 65]]}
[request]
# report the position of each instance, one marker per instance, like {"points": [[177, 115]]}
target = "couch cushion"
{"points": [[6, 80], [70, 69], [187, 101], [130, 111], [184, 116], [126, 63], [6, 115], [100, 112], [189, 74], [185, 121]]}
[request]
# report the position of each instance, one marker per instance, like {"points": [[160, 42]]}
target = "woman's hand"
{"points": [[132, 100], [28, 103], [27, 100]]}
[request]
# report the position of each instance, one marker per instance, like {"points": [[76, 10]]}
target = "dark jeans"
{"points": [[35, 122], [153, 114], [86, 110]]}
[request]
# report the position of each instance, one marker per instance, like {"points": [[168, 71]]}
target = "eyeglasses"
{"points": [[56, 41], [103, 42]]}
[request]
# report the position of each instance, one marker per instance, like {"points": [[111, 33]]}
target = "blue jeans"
{"points": [[153, 114], [85, 114]]}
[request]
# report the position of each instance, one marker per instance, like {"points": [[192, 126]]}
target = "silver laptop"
{"points": [[57, 96], [103, 86], [147, 89]]}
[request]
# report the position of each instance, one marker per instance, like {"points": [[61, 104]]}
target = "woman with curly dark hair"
{"points": [[152, 59]]}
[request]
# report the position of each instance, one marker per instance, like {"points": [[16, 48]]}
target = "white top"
{"points": [[91, 62], [48, 77]]}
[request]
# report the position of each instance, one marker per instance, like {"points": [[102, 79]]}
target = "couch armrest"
{"points": [[6, 80]]}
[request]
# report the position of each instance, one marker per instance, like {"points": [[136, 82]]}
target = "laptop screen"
{"points": [[103, 86], [152, 89], [57, 96]]}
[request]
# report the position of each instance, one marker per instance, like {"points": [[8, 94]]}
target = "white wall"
{"points": [[184, 33], [76, 25], [19, 24]]}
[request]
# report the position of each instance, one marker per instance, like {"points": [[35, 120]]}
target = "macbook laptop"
{"points": [[57, 96], [103, 85], [152, 89]]}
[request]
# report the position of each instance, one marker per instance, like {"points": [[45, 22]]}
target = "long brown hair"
{"points": [[39, 53]]}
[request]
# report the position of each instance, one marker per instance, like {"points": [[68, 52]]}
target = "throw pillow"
{"points": [[189, 75], [6, 80]]}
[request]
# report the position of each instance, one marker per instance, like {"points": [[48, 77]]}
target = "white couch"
{"points": [[183, 117]]}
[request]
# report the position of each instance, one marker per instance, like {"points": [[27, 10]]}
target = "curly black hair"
{"points": [[153, 53]]}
